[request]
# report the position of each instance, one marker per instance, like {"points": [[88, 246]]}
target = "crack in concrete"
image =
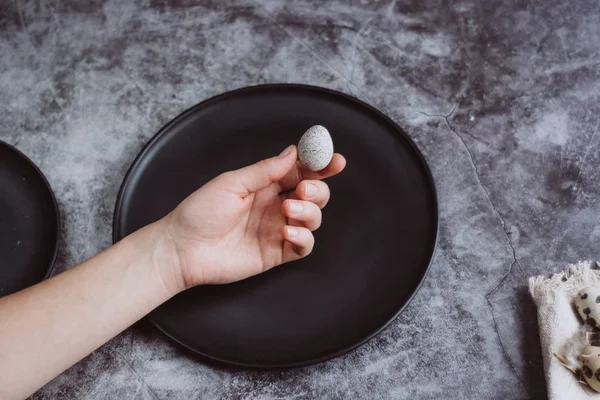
{"points": [[585, 154], [354, 47], [446, 116], [311, 51], [141, 380], [125, 359], [509, 243]]}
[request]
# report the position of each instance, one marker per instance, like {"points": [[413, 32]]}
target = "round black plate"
{"points": [[372, 252], [29, 222]]}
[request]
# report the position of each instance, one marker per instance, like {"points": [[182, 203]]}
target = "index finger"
{"points": [[298, 173]]}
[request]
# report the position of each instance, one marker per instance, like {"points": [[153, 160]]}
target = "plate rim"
{"points": [[50, 268], [270, 86]]}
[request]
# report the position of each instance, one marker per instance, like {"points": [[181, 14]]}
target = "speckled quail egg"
{"points": [[590, 366], [315, 149], [587, 303]]}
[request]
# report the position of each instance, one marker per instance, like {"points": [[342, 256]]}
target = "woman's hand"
{"points": [[247, 221], [237, 225]]}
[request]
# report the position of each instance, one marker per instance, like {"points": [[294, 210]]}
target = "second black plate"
{"points": [[372, 252], [29, 222]]}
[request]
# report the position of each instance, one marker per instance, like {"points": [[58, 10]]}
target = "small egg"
{"points": [[590, 366], [587, 303], [315, 148]]}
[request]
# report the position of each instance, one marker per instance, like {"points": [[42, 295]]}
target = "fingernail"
{"points": [[292, 232], [311, 190], [296, 207], [286, 151]]}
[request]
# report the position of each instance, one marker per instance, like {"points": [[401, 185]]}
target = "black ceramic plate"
{"points": [[372, 252], [29, 223]]}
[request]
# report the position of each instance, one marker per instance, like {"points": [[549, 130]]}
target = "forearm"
{"points": [[50, 326]]}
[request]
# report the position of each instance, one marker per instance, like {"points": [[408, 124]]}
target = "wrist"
{"points": [[165, 257]]}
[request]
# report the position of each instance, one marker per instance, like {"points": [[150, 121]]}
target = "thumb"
{"points": [[258, 176]]}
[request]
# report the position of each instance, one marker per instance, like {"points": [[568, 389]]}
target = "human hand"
{"points": [[248, 221]]}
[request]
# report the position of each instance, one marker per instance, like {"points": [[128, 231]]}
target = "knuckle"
{"points": [[266, 166], [299, 174], [263, 163], [227, 177]]}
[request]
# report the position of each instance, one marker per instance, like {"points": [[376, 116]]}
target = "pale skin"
{"points": [[240, 224]]}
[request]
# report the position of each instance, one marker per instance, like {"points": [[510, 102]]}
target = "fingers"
{"points": [[314, 191], [309, 214], [300, 242], [255, 177], [297, 174]]}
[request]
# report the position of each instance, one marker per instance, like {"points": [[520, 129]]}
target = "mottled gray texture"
{"points": [[315, 148], [501, 96]]}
